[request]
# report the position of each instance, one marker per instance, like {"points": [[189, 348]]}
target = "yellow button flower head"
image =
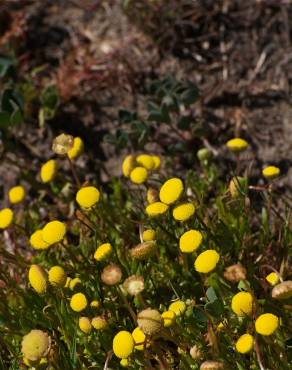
{"points": [[123, 344], [242, 304], [77, 148], [38, 278], [138, 175], [62, 144], [74, 282], [168, 318], [139, 339], [128, 165], [124, 362], [87, 197], [190, 241], [183, 212], [36, 240], [54, 232], [272, 278], [99, 323], [48, 171], [149, 321], [271, 172], [35, 345], [207, 261], [57, 276], [156, 209], [85, 324], [143, 250], [94, 304], [178, 307], [146, 161], [266, 324], [148, 235], [244, 344], [237, 145], [16, 194], [171, 190], [103, 251], [78, 302], [6, 218], [157, 161]]}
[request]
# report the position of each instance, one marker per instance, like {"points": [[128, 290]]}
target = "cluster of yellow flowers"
{"points": [[169, 202]]}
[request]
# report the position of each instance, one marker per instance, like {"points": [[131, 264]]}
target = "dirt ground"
{"points": [[101, 54]]}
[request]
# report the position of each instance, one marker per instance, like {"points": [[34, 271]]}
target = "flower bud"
{"points": [[149, 321]]}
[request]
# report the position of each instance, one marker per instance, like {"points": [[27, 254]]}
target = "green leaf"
{"points": [[215, 308], [190, 95], [185, 122], [50, 97], [5, 64], [4, 120], [211, 294], [16, 117]]}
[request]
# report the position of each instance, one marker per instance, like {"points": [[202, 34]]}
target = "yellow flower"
{"points": [[128, 165], [178, 307], [149, 321], [207, 261], [35, 345], [266, 324], [171, 190], [272, 278], [74, 282], [54, 232], [148, 235], [183, 212], [156, 209], [157, 161], [87, 197], [242, 304], [16, 194], [94, 304], [99, 323], [220, 326], [37, 278], [138, 175], [146, 161], [139, 339], [168, 318], [6, 218], [190, 241], [77, 148], [123, 344], [244, 344], [62, 144], [48, 171], [68, 281], [237, 145], [103, 251], [85, 324], [124, 362], [57, 276], [271, 172], [78, 302], [36, 240]]}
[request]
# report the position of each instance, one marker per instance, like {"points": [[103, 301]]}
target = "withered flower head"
{"points": [[134, 284], [111, 275], [62, 144], [282, 290], [149, 321], [143, 250], [196, 353], [212, 365], [235, 273]]}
